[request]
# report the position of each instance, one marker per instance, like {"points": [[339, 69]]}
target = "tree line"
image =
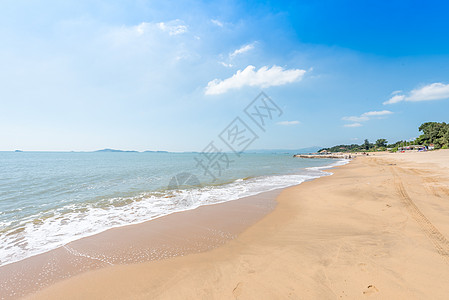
{"points": [[432, 133]]}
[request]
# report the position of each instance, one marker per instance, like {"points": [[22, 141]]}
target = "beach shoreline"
{"points": [[177, 234], [155, 238], [362, 232], [295, 234], [46, 213]]}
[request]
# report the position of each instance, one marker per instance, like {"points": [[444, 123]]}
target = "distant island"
{"points": [[258, 151], [129, 151], [149, 151], [114, 150]]}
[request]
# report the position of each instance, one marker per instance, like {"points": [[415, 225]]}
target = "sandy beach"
{"points": [[191, 149], [378, 228]]}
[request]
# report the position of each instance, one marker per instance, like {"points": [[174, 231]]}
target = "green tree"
{"points": [[381, 143], [366, 144], [434, 133]]}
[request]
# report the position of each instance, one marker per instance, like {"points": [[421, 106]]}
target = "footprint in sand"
{"points": [[371, 289], [362, 267], [237, 291]]}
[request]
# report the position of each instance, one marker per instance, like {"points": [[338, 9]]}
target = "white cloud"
{"points": [[365, 117], [395, 99], [126, 34], [396, 92], [174, 27], [377, 113], [434, 91], [288, 123], [142, 27], [355, 119], [242, 50], [225, 64], [264, 77], [236, 52], [353, 125], [216, 22]]}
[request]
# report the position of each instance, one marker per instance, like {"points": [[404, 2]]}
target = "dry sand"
{"points": [[378, 228]]}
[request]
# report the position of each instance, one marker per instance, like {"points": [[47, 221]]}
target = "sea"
{"points": [[48, 199]]}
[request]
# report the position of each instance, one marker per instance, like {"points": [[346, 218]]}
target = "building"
{"points": [[412, 148]]}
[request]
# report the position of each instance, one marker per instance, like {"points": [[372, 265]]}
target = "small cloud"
{"points": [[242, 50], [395, 99], [142, 28], [264, 77], [216, 22], [235, 53], [288, 123], [144, 31], [353, 125], [174, 27], [377, 113], [365, 117], [396, 92], [434, 91], [355, 119], [225, 64]]}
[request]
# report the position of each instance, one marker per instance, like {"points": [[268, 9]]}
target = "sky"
{"points": [[173, 75]]}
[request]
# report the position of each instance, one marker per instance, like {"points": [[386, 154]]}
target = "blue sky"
{"points": [[171, 75]]}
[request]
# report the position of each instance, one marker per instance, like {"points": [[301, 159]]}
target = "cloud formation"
{"points": [[174, 27], [242, 50], [434, 91], [377, 113], [395, 99], [288, 123], [216, 22], [225, 64], [365, 117], [148, 31], [353, 125], [263, 78]]}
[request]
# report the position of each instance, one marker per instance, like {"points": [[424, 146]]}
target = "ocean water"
{"points": [[48, 199]]}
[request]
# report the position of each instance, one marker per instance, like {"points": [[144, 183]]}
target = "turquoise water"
{"points": [[48, 199]]}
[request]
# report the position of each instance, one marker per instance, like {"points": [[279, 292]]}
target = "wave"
{"points": [[54, 228]]}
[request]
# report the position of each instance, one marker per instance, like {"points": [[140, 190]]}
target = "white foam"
{"points": [[75, 221]]}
